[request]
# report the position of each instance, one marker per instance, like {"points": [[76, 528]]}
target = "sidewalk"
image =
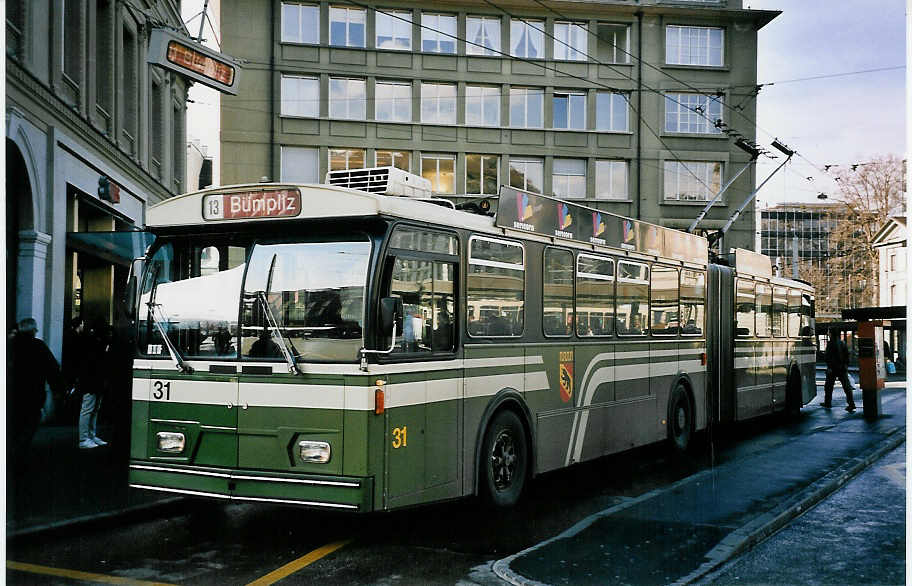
{"points": [[680, 533], [64, 485]]}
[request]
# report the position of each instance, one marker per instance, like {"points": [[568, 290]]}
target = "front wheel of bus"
{"points": [[680, 419], [505, 460]]}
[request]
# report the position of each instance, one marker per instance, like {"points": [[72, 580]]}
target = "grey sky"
{"points": [[837, 120]]}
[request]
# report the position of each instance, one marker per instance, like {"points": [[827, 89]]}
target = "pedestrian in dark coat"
{"points": [[837, 361], [31, 367]]}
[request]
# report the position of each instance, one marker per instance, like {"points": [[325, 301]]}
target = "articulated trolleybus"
{"points": [[337, 348]]}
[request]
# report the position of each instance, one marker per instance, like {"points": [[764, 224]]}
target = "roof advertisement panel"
{"points": [[540, 214]]}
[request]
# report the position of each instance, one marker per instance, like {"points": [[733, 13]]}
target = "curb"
{"points": [[738, 541], [91, 518]]}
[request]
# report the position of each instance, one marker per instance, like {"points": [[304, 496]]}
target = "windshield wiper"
{"points": [[273, 324], [175, 354], [276, 332]]}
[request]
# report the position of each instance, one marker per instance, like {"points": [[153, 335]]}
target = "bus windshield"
{"points": [[301, 300]]}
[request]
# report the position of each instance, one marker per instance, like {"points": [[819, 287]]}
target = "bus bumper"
{"points": [[341, 493]]}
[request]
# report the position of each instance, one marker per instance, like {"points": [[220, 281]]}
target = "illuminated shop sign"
{"points": [[177, 53], [275, 203]]}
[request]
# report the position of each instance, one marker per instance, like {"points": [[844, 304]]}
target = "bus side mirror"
{"points": [[390, 314], [130, 298]]}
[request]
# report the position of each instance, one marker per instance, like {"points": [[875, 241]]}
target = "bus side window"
{"points": [[693, 302], [745, 306], [557, 292], [495, 287], [794, 312], [664, 303], [632, 298], [807, 315], [780, 310], [595, 295], [764, 313]]}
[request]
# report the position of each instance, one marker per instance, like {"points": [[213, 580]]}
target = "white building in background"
{"points": [[199, 166], [891, 243]]}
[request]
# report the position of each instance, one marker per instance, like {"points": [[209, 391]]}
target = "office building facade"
{"points": [[621, 105]]}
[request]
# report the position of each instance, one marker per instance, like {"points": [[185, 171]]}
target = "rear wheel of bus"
{"points": [[505, 460], [680, 419]]}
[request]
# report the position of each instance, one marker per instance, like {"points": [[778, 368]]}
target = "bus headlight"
{"points": [[171, 441], [314, 452]]}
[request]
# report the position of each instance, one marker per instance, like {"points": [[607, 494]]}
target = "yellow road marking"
{"points": [[292, 567], [77, 575]]}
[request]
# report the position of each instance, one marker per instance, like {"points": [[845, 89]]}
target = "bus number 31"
{"points": [[400, 437], [162, 390]]}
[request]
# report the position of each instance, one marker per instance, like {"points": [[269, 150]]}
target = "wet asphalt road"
{"points": [[450, 543]]}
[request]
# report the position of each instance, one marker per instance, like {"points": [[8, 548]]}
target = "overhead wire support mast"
{"points": [[750, 149], [720, 235]]}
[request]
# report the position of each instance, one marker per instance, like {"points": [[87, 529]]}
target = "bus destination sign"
{"points": [[175, 52], [274, 203], [539, 214]]}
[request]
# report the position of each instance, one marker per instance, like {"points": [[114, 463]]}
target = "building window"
{"points": [[347, 98], [557, 292], [611, 180], [892, 262], [692, 180], [179, 143], [71, 26], [527, 174], [346, 26], [482, 35], [570, 110], [300, 96], [130, 85], [156, 125], [892, 295], [570, 41], [482, 105], [399, 159], [527, 39], [393, 101], [482, 174], [613, 43], [693, 113], [299, 165], [342, 159], [104, 56], [15, 27], [438, 103], [300, 23], [569, 178], [439, 170], [611, 111], [526, 107], [693, 45], [438, 33], [394, 30]]}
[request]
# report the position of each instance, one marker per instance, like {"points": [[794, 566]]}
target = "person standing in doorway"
{"points": [[83, 352], [837, 361]]}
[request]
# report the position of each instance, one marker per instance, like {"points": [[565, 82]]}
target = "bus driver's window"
{"points": [[426, 290]]}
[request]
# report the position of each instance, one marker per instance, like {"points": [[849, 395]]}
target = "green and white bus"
{"points": [[328, 347]]}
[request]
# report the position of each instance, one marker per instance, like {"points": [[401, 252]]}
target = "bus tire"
{"points": [[793, 395], [680, 419], [505, 460]]}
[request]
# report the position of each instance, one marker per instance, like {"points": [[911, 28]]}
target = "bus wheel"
{"points": [[793, 395], [680, 419], [505, 458]]}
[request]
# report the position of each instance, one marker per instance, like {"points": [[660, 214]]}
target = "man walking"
{"points": [[837, 361], [31, 365]]}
